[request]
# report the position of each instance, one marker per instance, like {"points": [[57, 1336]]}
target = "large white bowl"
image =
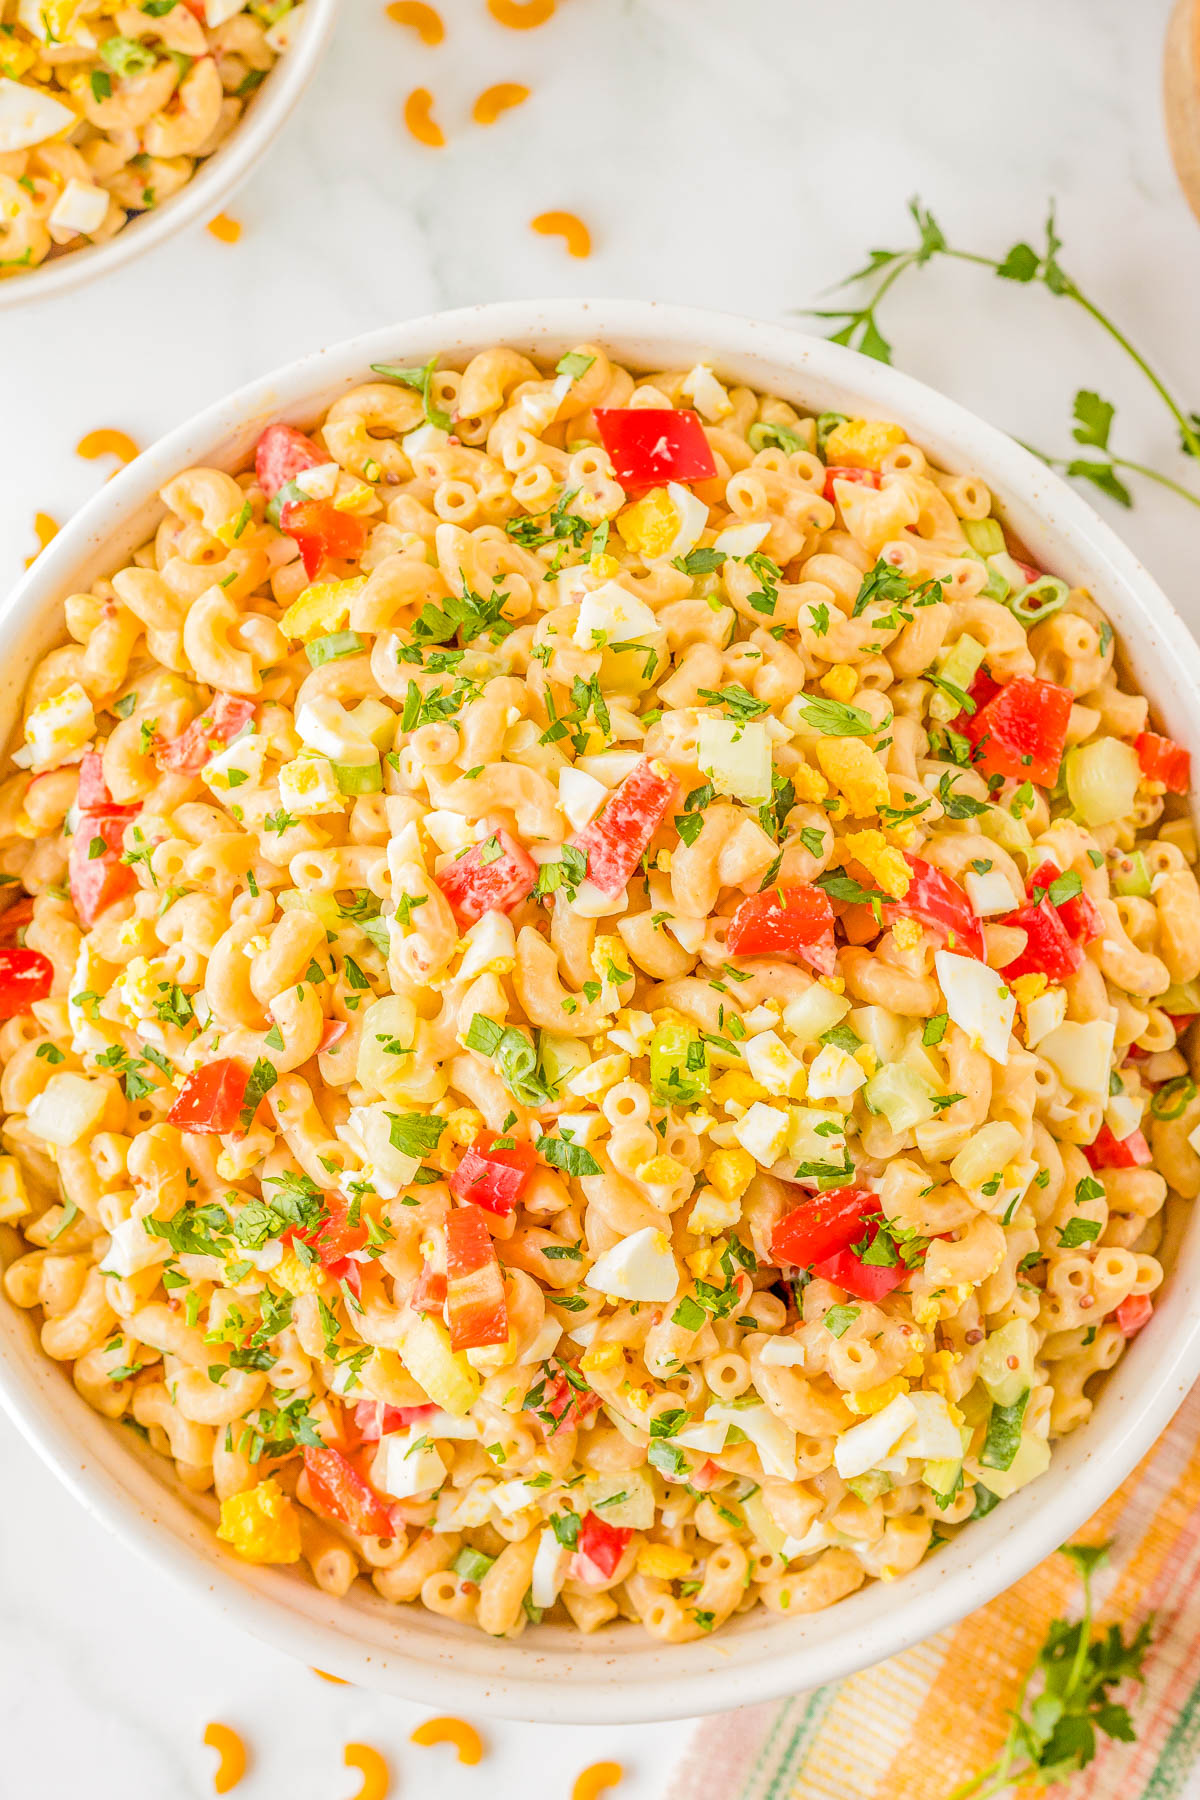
{"points": [[619, 1674], [215, 179]]}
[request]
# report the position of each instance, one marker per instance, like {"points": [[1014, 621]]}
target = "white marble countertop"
{"points": [[740, 155]]}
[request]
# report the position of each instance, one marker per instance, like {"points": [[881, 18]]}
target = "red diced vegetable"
{"points": [[340, 1492], [494, 1172], [938, 902], [1022, 731], [475, 1305], [866, 477], [1049, 948], [1162, 759], [820, 1227], [1109, 1152], [567, 1404], [282, 453], [1080, 916], [25, 976], [322, 532], [374, 1419], [215, 727], [15, 918], [97, 874], [335, 1030], [866, 1281], [494, 876], [1133, 1313], [601, 1544], [93, 794], [796, 920], [429, 1290], [336, 1237], [210, 1100], [648, 445], [618, 836]]}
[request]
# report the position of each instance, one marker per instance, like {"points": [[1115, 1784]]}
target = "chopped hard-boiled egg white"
{"points": [[131, 1248], [934, 1434], [772, 1438], [781, 1352], [834, 1075], [320, 482], [989, 893], [28, 116], [1082, 1055], [308, 786], [864, 1446], [58, 730], [736, 756], [236, 766], [612, 615], [763, 1131], [711, 399], [490, 947], [979, 1001], [743, 539], [550, 1567], [580, 796], [216, 12], [1123, 1115], [450, 831], [1044, 1014], [324, 725], [771, 1062], [641, 1267], [664, 523], [81, 207], [411, 1464], [706, 1436]]}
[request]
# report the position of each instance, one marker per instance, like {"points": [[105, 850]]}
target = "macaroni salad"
{"points": [[107, 106], [595, 982]]}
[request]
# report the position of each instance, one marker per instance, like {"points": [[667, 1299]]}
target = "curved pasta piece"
{"points": [[569, 227], [466, 1740], [425, 20], [232, 1754], [418, 117]]}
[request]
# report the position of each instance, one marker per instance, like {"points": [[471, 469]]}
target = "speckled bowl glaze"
{"points": [[620, 1674], [215, 180]]}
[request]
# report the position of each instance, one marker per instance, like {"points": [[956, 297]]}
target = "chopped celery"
{"points": [[900, 1094], [1007, 571], [678, 1063], [561, 1057], [958, 669], [1039, 600], [359, 778], [998, 824], [1030, 1459], [1006, 1362], [943, 1478], [871, 1486], [986, 536], [472, 1565], [333, 648], [737, 756], [1102, 780], [1131, 877], [1180, 997]]}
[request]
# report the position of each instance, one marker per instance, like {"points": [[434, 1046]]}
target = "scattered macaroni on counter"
{"points": [[107, 106], [597, 980]]}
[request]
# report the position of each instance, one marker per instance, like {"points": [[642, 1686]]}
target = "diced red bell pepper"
{"points": [[374, 1419], [475, 1305], [820, 1227], [429, 1290], [335, 1238], [866, 1281], [649, 445], [708, 1476], [322, 532], [865, 477], [25, 976], [335, 1030], [1049, 948], [97, 874], [92, 794], [215, 727], [938, 902], [617, 837], [567, 1404], [210, 1100], [494, 876], [796, 920], [1079, 915], [15, 918], [1021, 731], [981, 690], [601, 1544], [1134, 1312], [340, 1492], [1109, 1152], [1162, 759], [282, 453], [494, 1173]]}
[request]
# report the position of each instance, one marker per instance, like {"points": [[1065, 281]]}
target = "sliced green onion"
{"points": [[1039, 600], [1173, 1097], [763, 436], [332, 648], [826, 424]]}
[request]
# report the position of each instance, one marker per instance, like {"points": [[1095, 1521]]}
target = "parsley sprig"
{"points": [[1054, 1734], [858, 327]]}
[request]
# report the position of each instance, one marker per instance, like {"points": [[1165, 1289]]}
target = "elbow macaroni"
{"points": [[741, 1433]]}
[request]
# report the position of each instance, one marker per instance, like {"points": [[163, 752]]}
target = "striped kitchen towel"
{"points": [[914, 1727]]}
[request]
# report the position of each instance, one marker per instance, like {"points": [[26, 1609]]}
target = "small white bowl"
{"points": [[215, 179], [619, 1674]]}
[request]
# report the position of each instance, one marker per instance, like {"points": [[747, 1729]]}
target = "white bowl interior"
{"points": [[620, 1674], [215, 179]]}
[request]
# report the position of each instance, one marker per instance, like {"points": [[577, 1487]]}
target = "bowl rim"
{"points": [[216, 179], [539, 1676]]}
